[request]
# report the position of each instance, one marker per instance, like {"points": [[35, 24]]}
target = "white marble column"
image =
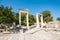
{"points": [[21, 31], [19, 18], [27, 19], [41, 21], [37, 21]]}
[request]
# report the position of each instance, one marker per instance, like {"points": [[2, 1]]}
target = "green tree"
{"points": [[47, 16], [6, 15], [17, 18], [58, 18], [23, 19], [31, 19]]}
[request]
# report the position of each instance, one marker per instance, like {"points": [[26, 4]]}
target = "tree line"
{"points": [[7, 16]]}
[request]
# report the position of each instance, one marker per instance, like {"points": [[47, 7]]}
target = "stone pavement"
{"points": [[12, 37], [43, 35], [34, 35]]}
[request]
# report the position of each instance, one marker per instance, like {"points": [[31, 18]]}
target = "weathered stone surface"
{"points": [[37, 35]]}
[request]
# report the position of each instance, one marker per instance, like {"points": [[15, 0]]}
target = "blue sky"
{"points": [[34, 6]]}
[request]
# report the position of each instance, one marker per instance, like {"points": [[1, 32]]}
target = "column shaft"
{"points": [[37, 20], [19, 18], [41, 21], [27, 21]]}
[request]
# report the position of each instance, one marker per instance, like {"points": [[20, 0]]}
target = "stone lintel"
{"points": [[23, 11]]}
